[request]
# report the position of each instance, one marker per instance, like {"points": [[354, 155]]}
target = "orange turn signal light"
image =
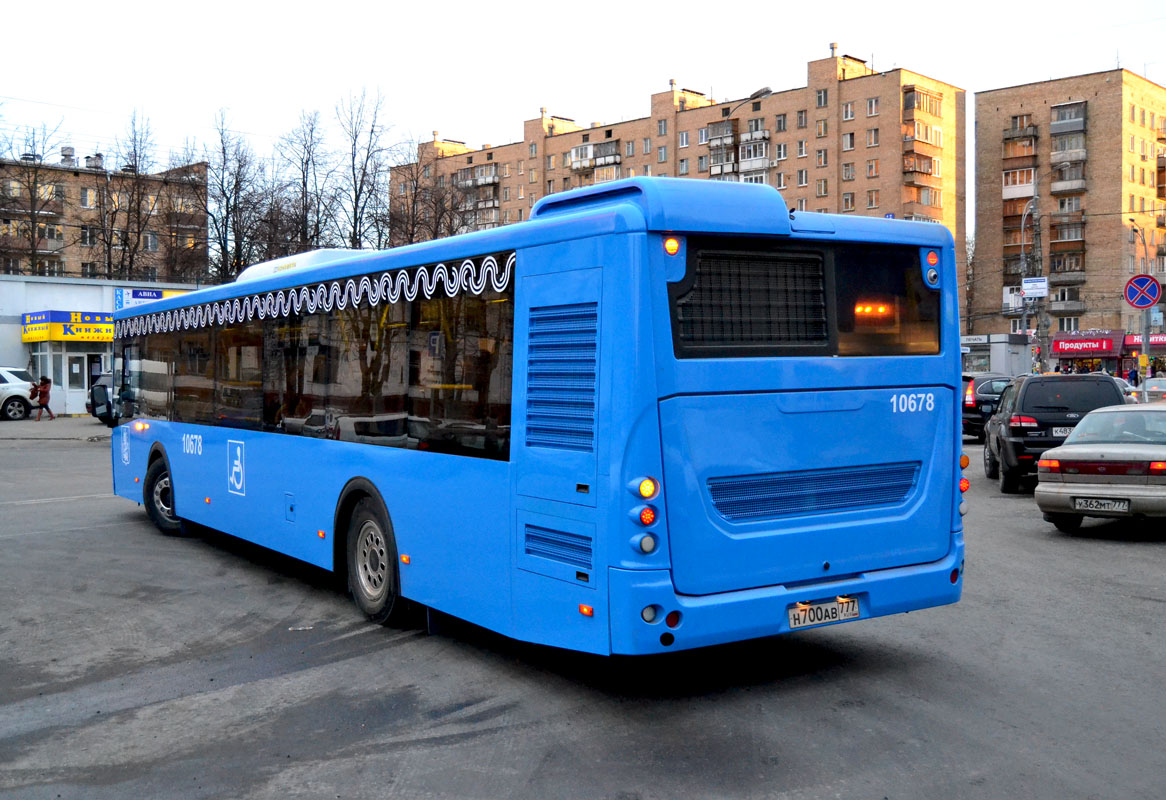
{"points": [[648, 488], [321, 534], [141, 426], [964, 461], [586, 611], [671, 245], [405, 559]]}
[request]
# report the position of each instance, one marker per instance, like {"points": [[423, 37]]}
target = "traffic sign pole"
{"points": [[1143, 292]]}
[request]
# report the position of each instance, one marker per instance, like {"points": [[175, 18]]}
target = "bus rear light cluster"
{"points": [[647, 515], [964, 483]]}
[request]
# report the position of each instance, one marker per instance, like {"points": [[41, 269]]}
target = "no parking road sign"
{"points": [[1143, 291]]}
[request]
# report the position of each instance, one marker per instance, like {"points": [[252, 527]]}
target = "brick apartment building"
{"points": [[74, 219], [1069, 179], [852, 140]]}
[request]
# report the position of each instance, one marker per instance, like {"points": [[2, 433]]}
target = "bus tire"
{"points": [[158, 497], [373, 579]]}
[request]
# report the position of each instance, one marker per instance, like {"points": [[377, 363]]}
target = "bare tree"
{"points": [[29, 193], [311, 183], [232, 207], [424, 204], [363, 169], [183, 204]]}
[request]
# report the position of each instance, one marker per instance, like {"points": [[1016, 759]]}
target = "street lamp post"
{"points": [[764, 91], [1145, 311], [1025, 265]]}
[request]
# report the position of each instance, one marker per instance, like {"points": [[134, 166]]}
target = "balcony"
{"points": [[748, 164], [1066, 126], [1067, 306], [582, 164], [1067, 156], [603, 161], [1161, 221], [464, 183], [1072, 277], [723, 134], [1075, 185], [1022, 190], [722, 169], [486, 180], [182, 219], [1020, 133], [493, 203], [754, 136], [1067, 217], [1018, 162], [911, 145], [20, 205], [914, 177]]}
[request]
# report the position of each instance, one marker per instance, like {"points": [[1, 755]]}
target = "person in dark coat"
{"points": [[40, 393]]}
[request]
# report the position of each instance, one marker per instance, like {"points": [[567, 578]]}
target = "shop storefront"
{"points": [[1157, 353], [72, 348], [1087, 351]]}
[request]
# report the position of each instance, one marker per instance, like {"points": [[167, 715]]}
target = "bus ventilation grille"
{"points": [[561, 382], [783, 494], [567, 548]]}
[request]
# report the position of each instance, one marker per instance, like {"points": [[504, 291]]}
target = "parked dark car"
{"points": [[1036, 413], [106, 380], [981, 396]]}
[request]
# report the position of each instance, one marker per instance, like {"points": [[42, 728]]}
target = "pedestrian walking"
{"points": [[40, 393]]}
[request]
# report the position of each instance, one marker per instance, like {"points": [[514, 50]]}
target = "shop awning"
{"points": [[66, 326]]}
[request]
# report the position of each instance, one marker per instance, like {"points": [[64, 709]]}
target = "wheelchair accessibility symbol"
{"points": [[236, 475]]}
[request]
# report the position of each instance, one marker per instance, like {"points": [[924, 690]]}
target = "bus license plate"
{"points": [[1101, 504], [805, 614], [1062, 432]]}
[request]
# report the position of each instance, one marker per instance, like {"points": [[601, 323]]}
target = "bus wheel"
{"points": [[158, 496], [372, 563]]}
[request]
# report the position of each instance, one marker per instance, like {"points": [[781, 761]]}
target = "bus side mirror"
{"points": [[102, 408]]}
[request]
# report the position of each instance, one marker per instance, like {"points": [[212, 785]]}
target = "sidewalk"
{"points": [[85, 428]]}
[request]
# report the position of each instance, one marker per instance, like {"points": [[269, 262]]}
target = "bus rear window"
{"points": [[742, 298]]}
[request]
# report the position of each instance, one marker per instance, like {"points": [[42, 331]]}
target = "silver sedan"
{"points": [[1112, 465]]}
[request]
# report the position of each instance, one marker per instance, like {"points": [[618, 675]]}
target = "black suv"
{"points": [[1036, 413], [981, 396]]}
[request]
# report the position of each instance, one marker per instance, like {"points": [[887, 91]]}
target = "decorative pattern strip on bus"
{"points": [[473, 275]]}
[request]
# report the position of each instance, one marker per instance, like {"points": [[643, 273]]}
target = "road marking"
{"points": [[85, 529], [53, 499]]}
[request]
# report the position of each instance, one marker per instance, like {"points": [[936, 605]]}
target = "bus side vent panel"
{"points": [[567, 548], [746, 498], [561, 377]]}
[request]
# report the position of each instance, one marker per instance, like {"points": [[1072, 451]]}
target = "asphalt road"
{"points": [[137, 665]]}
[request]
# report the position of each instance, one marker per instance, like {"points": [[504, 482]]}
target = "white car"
{"points": [[14, 385]]}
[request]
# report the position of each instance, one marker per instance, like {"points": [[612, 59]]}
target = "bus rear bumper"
{"points": [[752, 613]]}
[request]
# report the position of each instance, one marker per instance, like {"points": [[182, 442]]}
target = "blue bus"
{"points": [[660, 414]]}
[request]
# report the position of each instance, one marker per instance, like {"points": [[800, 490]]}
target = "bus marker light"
{"points": [[955, 575], [647, 515], [964, 461], [405, 559], [321, 534], [671, 245], [963, 507], [141, 426], [932, 258], [673, 619], [136, 480], [965, 484], [586, 611], [649, 614], [648, 543], [648, 488], [207, 500]]}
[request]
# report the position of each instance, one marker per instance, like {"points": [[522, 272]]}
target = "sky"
{"points": [[475, 71]]}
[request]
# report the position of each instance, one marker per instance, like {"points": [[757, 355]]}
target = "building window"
{"points": [[88, 198], [802, 148], [661, 154], [1018, 147], [872, 106], [89, 235], [803, 177], [821, 98], [533, 150], [550, 186], [847, 111], [820, 187], [550, 162], [506, 194], [848, 201], [779, 180], [820, 157], [801, 204], [150, 242], [753, 177], [779, 124], [848, 141], [702, 136], [629, 148], [661, 127], [872, 198], [533, 176], [779, 152], [820, 128], [682, 139], [702, 163], [88, 269], [872, 168], [1068, 233], [682, 166], [872, 137], [848, 171], [801, 119], [647, 147], [1066, 324], [756, 124], [1018, 177]]}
